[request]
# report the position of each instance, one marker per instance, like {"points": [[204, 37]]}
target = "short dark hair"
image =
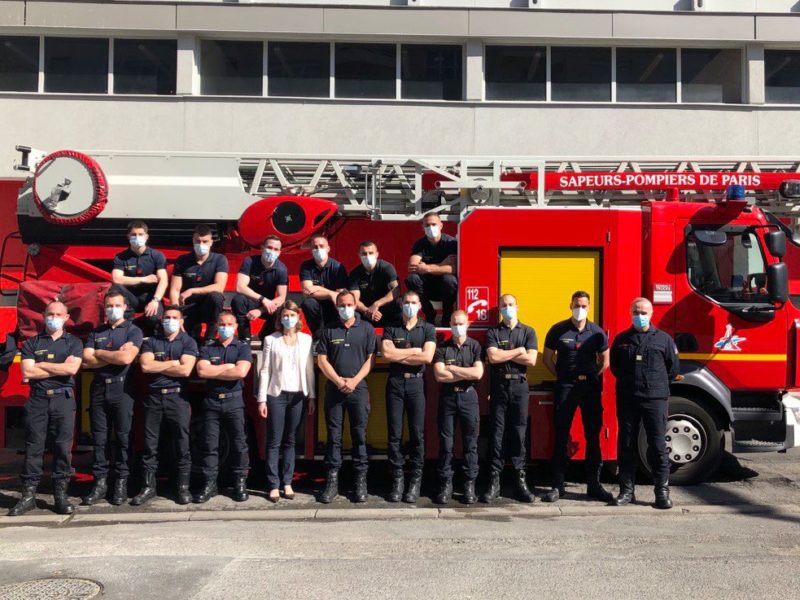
{"points": [[202, 230], [367, 243], [174, 307], [113, 292], [344, 294], [580, 294], [411, 293], [137, 224], [225, 313], [272, 237]]}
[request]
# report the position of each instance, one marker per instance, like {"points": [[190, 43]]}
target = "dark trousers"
{"points": [[509, 411], [54, 414], [228, 413], [568, 397], [443, 288], [201, 309], [406, 395], [318, 313], [136, 302], [391, 315], [357, 407], [652, 413], [285, 415], [111, 408], [241, 305], [176, 412], [461, 408]]}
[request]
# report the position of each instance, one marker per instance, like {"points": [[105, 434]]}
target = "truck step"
{"points": [[756, 446], [756, 413]]}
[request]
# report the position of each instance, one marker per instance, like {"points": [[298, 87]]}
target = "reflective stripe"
{"points": [[734, 357]]}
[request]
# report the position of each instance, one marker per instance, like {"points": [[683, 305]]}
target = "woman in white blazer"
{"points": [[286, 382]]}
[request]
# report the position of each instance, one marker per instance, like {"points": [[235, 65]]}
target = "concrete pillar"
{"points": [[754, 91], [188, 80], [474, 71]]}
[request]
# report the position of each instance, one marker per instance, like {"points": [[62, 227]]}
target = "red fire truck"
{"points": [[719, 271]]}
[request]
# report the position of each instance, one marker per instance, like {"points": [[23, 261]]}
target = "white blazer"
{"points": [[271, 380]]}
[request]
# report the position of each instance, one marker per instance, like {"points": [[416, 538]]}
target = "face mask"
{"points": [[459, 330], [509, 312], [369, 260], [201, 249], [137, 241], [579, 313], [319, 254], [640, 321], [225, 332], [410, 310], [270, 255], [114, 313], [289, 322], [54, 324], [171, 325], [347, 312], [432, 231]]}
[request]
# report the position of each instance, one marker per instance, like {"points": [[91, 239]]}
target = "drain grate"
{"points": [[56, 588]]}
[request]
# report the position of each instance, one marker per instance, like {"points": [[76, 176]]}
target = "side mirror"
{"points": [[789, 188], [778, 283], [776, 243]]}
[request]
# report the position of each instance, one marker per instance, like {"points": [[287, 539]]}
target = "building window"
{"points": [[19, 64], [145, 66], [365, 70], [581, 74], [709, 75], [516, 73], [299, 69], [76, 65], [431, 72], [782, 76], [231, 68], [646, 74]]}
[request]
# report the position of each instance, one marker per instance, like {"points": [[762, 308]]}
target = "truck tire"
{"points": [[695, 441]]}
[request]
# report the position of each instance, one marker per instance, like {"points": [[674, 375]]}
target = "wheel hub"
{"points": [[684, 440]]}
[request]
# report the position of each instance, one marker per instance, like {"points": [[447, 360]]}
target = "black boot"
{"points": [[62, 504], [360, 494], [414, 485], [469, 492], [331, 487], [120, 493], [398, 483], [208, 492], [98, 492], [595, 489], [662, 495], [240, 489], [494, 488], [148, 491], [626, 495], [558, 490], [184, 496], [445, 491], [522, 493], [26, 502], [211, 334]]}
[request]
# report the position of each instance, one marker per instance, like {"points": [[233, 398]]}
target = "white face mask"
{"points": [[201, 249], [459, 330], [347, 312], [410, 310], [432, 231], [270, 255], [171, 325], [320, 254], [369, 261], [579, 313], [114, 313], [137, 241]]}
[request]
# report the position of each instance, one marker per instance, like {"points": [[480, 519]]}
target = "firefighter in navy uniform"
{"points": [[511, 349], [644, 360], [322, 278], [49, 361], [224, 364], [375, 286], [457, 365], [408, 348], [110, 350], [168, 358], [576, 352], [345, 355]]}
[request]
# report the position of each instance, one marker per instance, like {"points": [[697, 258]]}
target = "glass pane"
{"points": [[709, 75], [516, 73], [646, 74], [299, 69], [581, 74], [145, 66], [782, 76], [76, 65], [431, 72], [231, 68], [365, 70], [19, 64]]}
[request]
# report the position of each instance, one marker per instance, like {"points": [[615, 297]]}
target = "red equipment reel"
{"points": [[291, 218], [69, 188]]}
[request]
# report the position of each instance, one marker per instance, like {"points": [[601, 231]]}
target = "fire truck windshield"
{"points": [[730, 272]]}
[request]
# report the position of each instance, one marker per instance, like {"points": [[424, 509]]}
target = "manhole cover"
{"points": [[61, 588]]}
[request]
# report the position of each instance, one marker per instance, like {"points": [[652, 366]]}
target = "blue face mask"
{"points": [[410, 310], [137, 241], [171, 325], [114, 313], [289, 322], [346, 312], [640, 321], [509, 312], [270, 255], [201, 249], [225, 332], [54, 324]]}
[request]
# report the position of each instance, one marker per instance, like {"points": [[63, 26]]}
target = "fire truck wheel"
{"points": [[695, 442]]}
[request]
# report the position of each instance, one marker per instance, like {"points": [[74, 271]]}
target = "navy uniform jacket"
{"points": [[165, 350], [107, 337], [217, 354], [44, 348], [644, 363]]}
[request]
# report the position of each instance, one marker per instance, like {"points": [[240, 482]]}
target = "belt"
{"points": [[577, 378], [57, 391], [461, 388], [165, 391], [407, 375], [514, 376], [108, 380], [225, 395]]}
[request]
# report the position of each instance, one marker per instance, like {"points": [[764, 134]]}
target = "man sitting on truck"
{"points": [[375, 287], [198, 281], [432, 269], [322, 279], [140, 273]]}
